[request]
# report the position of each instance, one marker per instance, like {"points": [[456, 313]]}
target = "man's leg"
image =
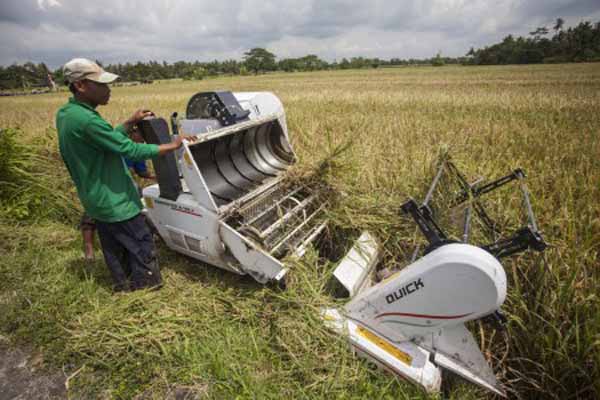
{"points": [[88, 226], [114, 255], [138, 241], [88, 243]]}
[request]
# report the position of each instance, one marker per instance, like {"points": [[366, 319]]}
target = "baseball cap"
{"points": [[81, 68]]}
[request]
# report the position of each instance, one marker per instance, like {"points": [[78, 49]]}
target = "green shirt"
{"points": [[93, 152]]}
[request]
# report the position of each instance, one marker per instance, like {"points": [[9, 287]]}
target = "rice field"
{"points": [[216, 335]]}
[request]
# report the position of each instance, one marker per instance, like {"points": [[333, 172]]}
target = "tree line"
{"points": [[574, 44], [255, 61]]}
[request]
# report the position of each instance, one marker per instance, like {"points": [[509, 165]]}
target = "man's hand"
{"points": [[137, 117], [178, 140], [175, 143]]}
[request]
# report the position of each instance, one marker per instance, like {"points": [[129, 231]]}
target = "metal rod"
{"points": [[487, 221], [527, 203], [433, 185], [467, 224], [462, 180], [415, 253], [273, 205], [488, 187], [293, 232], [299, 207], [249, 200], [300, 250]]}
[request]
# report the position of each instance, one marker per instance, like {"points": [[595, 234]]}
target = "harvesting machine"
{"points": [[412, 322], [225, 200]]}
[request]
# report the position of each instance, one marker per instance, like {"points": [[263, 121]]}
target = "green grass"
{"points": [[225, 336]]}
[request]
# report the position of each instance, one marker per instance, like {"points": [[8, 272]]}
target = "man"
{"points": [[93, 152], [87, 225]]}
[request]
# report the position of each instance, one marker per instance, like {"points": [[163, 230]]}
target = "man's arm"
{"points": [[175, 144], [101, 133], [139, 115]]}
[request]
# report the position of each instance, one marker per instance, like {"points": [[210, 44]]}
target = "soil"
{"points": [[23, 377]]}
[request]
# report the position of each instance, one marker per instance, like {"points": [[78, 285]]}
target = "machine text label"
{"points": [[404, 291], [179, 208]]}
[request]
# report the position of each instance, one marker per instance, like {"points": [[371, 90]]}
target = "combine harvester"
{"points": [[412, 323], [224, 200]]}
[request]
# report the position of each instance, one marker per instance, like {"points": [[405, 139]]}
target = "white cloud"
{"points": [[42, 4], [117, 31]]}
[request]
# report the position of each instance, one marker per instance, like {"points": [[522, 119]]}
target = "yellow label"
{"points": [[384, 345], [187, 159], [149, 202]]}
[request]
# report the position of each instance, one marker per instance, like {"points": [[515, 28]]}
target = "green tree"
{"points": [[287, 65], [539, 32], [559, 24], [259, 60], [438, 61]]}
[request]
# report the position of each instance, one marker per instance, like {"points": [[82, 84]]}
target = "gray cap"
{"points": [[79, 69]]}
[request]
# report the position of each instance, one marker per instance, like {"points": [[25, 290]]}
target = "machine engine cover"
{"points": [[449, 286]]}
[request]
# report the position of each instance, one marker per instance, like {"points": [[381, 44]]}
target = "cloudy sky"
{"points": [[54, 31]]}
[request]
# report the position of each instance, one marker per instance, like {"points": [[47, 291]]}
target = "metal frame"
{"points": [[501, 245]]}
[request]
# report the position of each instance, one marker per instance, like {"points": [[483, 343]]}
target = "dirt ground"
{"points": [[23, 378]]}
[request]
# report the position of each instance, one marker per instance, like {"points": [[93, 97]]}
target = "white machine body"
{"points": [[412, 323], [235, 210]]}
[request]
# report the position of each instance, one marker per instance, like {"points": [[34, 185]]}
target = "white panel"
{"points": [[405, 359], [457, 351], [255, 262], [355, 268], [194, 180], [451, 285]]}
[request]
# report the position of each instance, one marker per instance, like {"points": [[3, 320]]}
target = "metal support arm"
{"points": [[424, 219], [527, 237], [523, 239]]}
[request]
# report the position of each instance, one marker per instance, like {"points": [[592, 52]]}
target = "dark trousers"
{"points": [[129, 253]]}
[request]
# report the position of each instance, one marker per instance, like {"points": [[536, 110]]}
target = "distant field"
{"points": [[223, 336]]}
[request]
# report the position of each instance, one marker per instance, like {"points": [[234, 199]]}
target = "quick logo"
{"points": [[405, 291]]}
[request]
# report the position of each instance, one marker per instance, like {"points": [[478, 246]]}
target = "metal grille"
{"points": [[282, 218], [298, 235], [177, 238], [194, 244], [267, 200]]}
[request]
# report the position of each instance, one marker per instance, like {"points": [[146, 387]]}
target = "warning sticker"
{"points": [[149, 202], [188, 159], [384, 345]]}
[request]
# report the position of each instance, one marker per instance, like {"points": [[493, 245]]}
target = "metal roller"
{"points": [[241, 162], [204, 155], [228, 169], [265, 146], [251, 149], [234, 165]]}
